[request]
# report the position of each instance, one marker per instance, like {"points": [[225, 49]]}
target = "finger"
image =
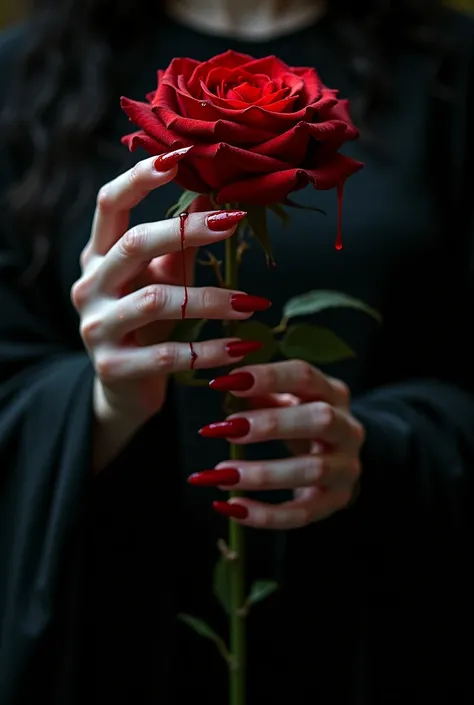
{"points": [[124, 364], [165, 303], [117, 198], [289, 473], [316, 420], [138, 246], [290, 377], [312, 504]]}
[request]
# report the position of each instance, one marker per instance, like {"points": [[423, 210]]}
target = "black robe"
{"points": [[374, 604]]}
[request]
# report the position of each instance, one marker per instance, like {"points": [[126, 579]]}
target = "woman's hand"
{"points": [[130, 295], [310, 412]]}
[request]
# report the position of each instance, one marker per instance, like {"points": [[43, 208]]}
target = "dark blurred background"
{"points": [[13, 10]]}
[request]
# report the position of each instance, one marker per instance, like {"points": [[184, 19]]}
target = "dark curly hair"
{"points": [[78, 51]]}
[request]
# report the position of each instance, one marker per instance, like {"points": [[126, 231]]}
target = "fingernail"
{"points": [[235, 428], [214, 478], [170, 159], [234, 511], [248, 304], [238, 348], [237, 382], [223, 220]]}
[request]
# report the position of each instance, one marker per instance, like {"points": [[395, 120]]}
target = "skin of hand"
{"points": [[130, 294], [296, 403]]}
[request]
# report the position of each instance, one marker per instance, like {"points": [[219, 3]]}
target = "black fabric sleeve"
{"points": [[45, 449]]}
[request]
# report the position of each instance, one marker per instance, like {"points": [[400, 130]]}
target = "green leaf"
{"points": [[316, 345], [257, 222], [253, 330], [185, 201], [260, 590], [204, 630], [189, 330], [281, 213], [222, 575], [199, 626], [316, 301], [300, 206]]}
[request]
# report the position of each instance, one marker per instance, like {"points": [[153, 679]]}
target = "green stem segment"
{"points": [[237, 674]]}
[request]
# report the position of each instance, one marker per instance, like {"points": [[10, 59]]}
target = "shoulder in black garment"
{"points": [[374, 606]]}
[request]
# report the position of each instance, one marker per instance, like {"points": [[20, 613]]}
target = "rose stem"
{"points": [[237, 673]]}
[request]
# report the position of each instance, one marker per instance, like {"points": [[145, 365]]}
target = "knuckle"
{"points": [[354, 468], [152, 299], [84, 257], [324, 415], [321, 467], [208, 299], [342, 391], [269, 424], [80, 292], [90, 331], [358, 431], [106, 367], [166, 358], [304, 371], [135, 173], [104, 198], [260, 476], [265, 519], [134, 240]]}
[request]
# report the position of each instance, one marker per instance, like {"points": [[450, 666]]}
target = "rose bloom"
{"points": [[260, 128]]}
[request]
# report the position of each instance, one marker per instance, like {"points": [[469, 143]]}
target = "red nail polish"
{"points": [[234, 511], [248, 304], [238, 348], [237, 382], [224, 220], [214, 478], [167, 161], [234, 428]]}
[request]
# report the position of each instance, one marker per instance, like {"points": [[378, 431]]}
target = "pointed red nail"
{"points": [[237, 382], [234, 511], [248, 304], [214, 478], [221, 221], [239, 348], [234, 428], [167, 161]]}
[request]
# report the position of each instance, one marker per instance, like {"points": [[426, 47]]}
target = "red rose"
{"points": [[261, 129]]}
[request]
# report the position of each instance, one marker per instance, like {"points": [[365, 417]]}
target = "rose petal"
{"points": [[229, 59], [189, 180], [271, 66], [273, 188], [312, 85], [142, 115], [220, 164], [210, 131], [141, 139]]}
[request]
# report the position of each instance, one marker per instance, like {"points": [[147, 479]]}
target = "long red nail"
{"points": [[214, 478], [170, 159], [234, 511], [248, 304], [237, 382], [235, 428], [238, 348], [223, 220]]}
